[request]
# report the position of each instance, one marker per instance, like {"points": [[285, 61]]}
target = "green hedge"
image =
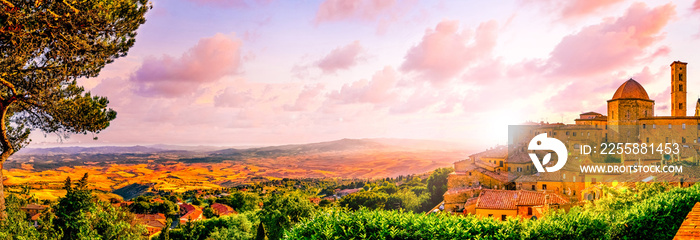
{"points": [[657, 217]]}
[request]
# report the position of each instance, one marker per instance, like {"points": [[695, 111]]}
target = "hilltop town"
{"points": [[502, 181]]}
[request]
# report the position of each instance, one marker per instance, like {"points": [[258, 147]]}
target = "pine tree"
{"points": [[45, 47], [261, 232]]}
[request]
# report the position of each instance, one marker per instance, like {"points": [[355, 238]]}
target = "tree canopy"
{"points": [[45, 48]]}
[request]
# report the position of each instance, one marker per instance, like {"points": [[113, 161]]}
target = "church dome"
{"points": [[631, 90]]}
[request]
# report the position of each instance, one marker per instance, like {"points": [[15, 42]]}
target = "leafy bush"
{"points": [[366, 199], [657, 216], [368, 224], [240, 226], [281, 212]]}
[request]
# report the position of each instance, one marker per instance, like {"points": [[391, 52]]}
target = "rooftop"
{"points": [[631, 89], [510, 199]]}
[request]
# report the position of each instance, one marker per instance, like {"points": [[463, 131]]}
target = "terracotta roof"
{"points": [[497, 199], [223, 209], [191, 216], [471, 201], [519, 157], [510, 199], [187, 207], [32, 206], [631, 89], [596, 118], [690, 228], [157, 221], [679, 62], [530, 198], [590, 113], [527, 178]]}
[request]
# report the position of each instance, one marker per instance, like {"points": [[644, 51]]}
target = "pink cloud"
{"points": [[341, 58], [306, 98], [574, 8], [696, 6], [663, 102], [382, 12], [377, 90], [583, 7], [612, 44], [445, 51], [583, 95], [231, 97], [419, 100], [335, 10], [208, 61]]}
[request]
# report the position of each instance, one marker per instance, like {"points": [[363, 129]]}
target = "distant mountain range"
{"points": [[175, 167], [343, 145]]}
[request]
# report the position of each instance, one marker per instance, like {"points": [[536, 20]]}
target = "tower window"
{"points": [[680, 105], [644, 126], [669, 126], [647, 139], [653, 126], [683, 140], [680, 87], [680, 76], [683, 126]]}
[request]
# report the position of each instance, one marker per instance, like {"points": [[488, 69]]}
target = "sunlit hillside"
{"points": [[179, 171]]}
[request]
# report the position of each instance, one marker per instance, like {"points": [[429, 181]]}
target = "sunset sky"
{"points": [[231, 73]]}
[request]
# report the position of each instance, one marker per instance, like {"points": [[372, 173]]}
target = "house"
{"points": [[154, 222], [222, 209], [34, 210], [501, 204], [185, 208], [189, 212], [315, 200]]}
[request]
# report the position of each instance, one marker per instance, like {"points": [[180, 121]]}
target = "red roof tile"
{"points": [[510, 199], [223, 209]]}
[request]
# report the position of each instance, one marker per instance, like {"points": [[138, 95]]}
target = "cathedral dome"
{"points": [[631, 90]]}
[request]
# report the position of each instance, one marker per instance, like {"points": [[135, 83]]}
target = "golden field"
{"points": [[177, 176]]}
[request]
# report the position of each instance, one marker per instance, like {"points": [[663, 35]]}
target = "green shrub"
{"points": [[657, 216]]}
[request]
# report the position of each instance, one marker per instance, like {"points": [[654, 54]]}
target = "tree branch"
{"points": [[10, 86]]}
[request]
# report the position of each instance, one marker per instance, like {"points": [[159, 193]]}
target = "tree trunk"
{"points": [[7, 151], [3, 213]]}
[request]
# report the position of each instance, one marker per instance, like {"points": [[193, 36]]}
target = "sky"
{"points": [[268, 72]]}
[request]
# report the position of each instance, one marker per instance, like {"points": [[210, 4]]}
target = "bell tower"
{"points": [[679, 84]]}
